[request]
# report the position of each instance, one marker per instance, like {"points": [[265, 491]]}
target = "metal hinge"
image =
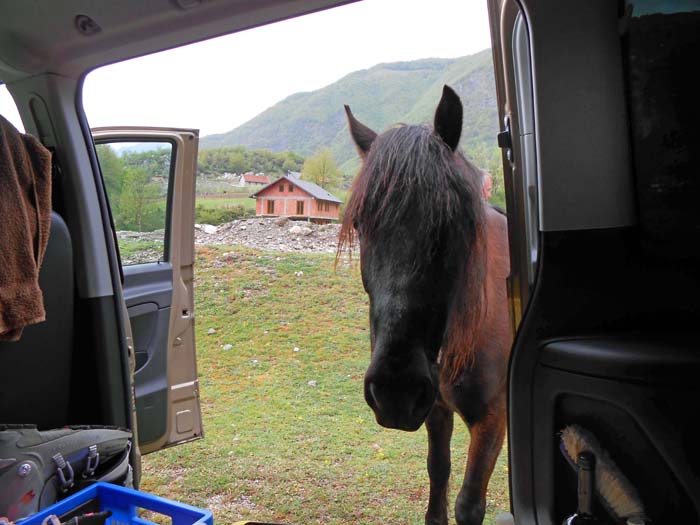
{"points": [[505, 140]]}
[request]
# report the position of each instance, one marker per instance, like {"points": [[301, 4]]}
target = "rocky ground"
{"points": [[279, 234]]}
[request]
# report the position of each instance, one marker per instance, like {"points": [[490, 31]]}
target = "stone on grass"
{"points": [[313, 383], [300, 230], [227, 347], [211, 331], [206, 228]]}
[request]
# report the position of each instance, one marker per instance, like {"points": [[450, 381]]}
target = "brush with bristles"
{"points": [[616, 493]]}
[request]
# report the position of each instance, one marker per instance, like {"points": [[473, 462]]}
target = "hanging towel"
{"points": [[25, 218]]}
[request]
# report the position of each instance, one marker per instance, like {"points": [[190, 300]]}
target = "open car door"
{"points": [[149, 176], [600, 166]]}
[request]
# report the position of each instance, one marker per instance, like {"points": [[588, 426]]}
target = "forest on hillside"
{"points": [[237, 159], [380, 97]]}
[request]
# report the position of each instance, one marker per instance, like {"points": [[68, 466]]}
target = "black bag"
{"points": [[38, 468]]}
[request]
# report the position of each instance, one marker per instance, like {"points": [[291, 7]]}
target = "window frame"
{"points": [[165, 258]]}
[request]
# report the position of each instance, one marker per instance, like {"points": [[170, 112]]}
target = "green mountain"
{"points": [[379, 97]]}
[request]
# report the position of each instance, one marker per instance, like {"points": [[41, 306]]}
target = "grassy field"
{"points": [[225, 202], [288, 436]]}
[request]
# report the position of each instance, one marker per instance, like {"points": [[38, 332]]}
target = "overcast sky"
{"points": [[219, 84]]}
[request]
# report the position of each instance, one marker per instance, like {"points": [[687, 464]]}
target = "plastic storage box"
{"points": [[125, 504]]}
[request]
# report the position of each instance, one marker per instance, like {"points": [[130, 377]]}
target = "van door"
{"points": [[149, 177], [601, 203]]}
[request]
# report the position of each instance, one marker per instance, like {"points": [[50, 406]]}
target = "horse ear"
{"points": [[361, 134], [448, 117]]}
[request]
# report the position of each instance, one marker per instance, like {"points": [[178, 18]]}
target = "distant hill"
{"points": [[139, 147], [380, 96]]}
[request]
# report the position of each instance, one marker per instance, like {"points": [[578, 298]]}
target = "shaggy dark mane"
{"points": [[410, 171]]}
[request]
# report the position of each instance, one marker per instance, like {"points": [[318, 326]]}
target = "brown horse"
{"points": [[434, 260]]}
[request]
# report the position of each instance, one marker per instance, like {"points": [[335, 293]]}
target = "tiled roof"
{"points": [[315, 190]]}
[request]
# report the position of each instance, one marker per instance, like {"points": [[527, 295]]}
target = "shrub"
{"points": [[215, 216]]}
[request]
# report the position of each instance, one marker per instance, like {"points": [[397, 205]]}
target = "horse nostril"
{"points": [[373, 398]]}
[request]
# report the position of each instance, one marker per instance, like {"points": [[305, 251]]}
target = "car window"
{"points": [[8, 108], [136, 177], [659, 42]]}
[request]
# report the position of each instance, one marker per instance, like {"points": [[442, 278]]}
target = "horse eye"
{"points": [[355, 225]]}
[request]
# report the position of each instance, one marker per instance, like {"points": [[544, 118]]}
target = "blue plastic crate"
{"points": [[124, 504]]}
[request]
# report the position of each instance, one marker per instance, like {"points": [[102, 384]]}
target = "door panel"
{"points": [[149, 176], [148, 295], [609, 330], [143, 322]]}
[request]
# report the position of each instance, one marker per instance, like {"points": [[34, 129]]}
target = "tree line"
{"points": [[239, 160], [137, 187], [137, 182]]}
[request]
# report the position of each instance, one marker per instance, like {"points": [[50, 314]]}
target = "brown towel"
{"points": [[25, 218]]}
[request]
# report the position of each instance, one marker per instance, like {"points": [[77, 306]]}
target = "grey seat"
{"points": [[35, 372]]}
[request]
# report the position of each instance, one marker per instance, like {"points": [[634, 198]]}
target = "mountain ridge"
{"points": [[380, 96]]}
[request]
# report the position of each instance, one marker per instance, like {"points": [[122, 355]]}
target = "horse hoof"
{"points": [[470, 516], [436, 520]]}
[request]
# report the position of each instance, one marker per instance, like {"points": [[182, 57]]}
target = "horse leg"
{"points": [[439, 424], [487, 435]]}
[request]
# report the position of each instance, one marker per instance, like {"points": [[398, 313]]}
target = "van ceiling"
{"points": [[71, 37]]}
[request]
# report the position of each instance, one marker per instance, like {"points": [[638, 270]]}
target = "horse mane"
{"points": [[410, 168]]}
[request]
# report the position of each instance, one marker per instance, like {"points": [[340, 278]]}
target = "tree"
{"points": [[237, 159], [489, 159], [139, 209], [321, 169], [156, 162], [112, 169]]}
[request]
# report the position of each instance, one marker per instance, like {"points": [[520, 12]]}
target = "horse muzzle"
{"points": [[402, 405]]}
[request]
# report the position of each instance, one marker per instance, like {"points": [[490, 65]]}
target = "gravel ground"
{"points": [[279, 234]]}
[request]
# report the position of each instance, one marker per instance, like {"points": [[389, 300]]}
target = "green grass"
{"points": [[277, 448], [225, 202], [137, 251]]}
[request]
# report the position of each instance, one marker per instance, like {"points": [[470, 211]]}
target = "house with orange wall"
{"points": [[291, 196]]}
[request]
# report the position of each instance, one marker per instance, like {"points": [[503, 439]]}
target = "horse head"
{"points": [[415, 208]]}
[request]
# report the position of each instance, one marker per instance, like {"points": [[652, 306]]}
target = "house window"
{"points": [[281, 187], [270, 207], [291, 188], [300, 207]]}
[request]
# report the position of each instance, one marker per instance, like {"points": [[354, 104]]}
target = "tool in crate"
{"points": [[124, 505]]}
